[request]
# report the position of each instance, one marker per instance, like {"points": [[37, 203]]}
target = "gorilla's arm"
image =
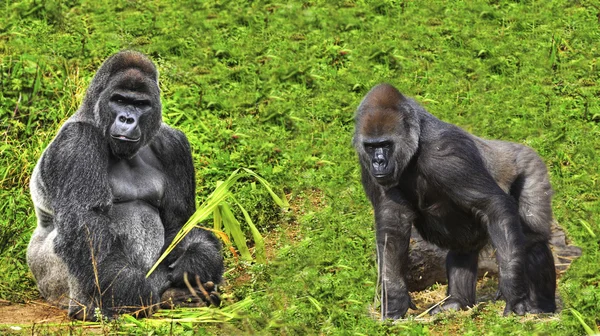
{"points": [[451, 159], [74, 173], [393, 222], [200, 252]]}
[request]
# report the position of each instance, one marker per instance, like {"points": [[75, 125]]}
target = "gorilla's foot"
{"points": [[94, 314], [519, 308], [84, 314]]}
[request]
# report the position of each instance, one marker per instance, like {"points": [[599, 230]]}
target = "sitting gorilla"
{"points": [[110, 193]]}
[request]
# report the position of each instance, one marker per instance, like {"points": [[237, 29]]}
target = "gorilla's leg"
{"points": [[462, 280], [541, 279], [49, 270], [533, 193]]}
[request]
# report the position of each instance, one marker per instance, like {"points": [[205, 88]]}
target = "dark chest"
{"points": [[137, 179], [438, 218]]}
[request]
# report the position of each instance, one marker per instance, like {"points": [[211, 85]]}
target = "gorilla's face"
{"points": [[132, 102], [387, 134], [380, 153]]}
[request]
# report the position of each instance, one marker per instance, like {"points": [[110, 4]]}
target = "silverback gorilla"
{"points": [[110, 193], [460, 192]]}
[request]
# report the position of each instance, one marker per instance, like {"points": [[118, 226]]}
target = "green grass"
{"points": [[273, 87]]}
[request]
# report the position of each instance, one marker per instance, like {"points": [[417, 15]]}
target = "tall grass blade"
{"points": [[223, 218], [586, 327], [279, 201], [259, 243], [217, 219], [233, 228], [588, 227], [315, 303]]}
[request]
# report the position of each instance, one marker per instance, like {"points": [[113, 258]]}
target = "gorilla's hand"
{"points": [[199, 258], [397, 306], [195, 296]]}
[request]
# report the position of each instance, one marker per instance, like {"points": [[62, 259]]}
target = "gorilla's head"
{"points": [[386, 135], [124, 98]]}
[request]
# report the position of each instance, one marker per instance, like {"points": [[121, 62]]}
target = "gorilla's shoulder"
{"points": [[447, 146], [76, 138], [169, 131], [170, 141], [78, 129]]}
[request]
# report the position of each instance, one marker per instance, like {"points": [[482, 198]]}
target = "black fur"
{"points": [[460, 192], [110, 192]]}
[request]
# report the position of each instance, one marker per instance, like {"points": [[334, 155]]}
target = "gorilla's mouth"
{"points": [[124, 138], [382, 177], [385, 179]]}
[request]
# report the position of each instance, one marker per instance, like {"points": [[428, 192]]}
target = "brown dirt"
{"points": [[289, 233], [33, 312]]}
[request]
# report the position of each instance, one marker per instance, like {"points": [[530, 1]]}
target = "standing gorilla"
{"points": [[110, 193], [459, 191]]}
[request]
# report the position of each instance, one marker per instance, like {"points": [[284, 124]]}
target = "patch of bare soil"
{"points": [[486, 292], [487, 288], [33, 312]]}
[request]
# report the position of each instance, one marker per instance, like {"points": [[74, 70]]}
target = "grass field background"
{"points": [[273, 87]]}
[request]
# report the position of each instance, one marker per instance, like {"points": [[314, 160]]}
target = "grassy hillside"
{"points": [[273, 86]]}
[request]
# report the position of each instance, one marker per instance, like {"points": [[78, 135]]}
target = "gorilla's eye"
{"points": [[125, 100], [370, 146], [141, 103], [120, 99]]}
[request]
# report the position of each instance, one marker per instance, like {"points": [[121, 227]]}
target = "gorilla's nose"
{"points": [[126, 119], [379, 160], [125, 127]]}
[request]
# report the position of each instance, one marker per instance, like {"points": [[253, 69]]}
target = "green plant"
{"points": [[593, 330], [217, 206]]}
